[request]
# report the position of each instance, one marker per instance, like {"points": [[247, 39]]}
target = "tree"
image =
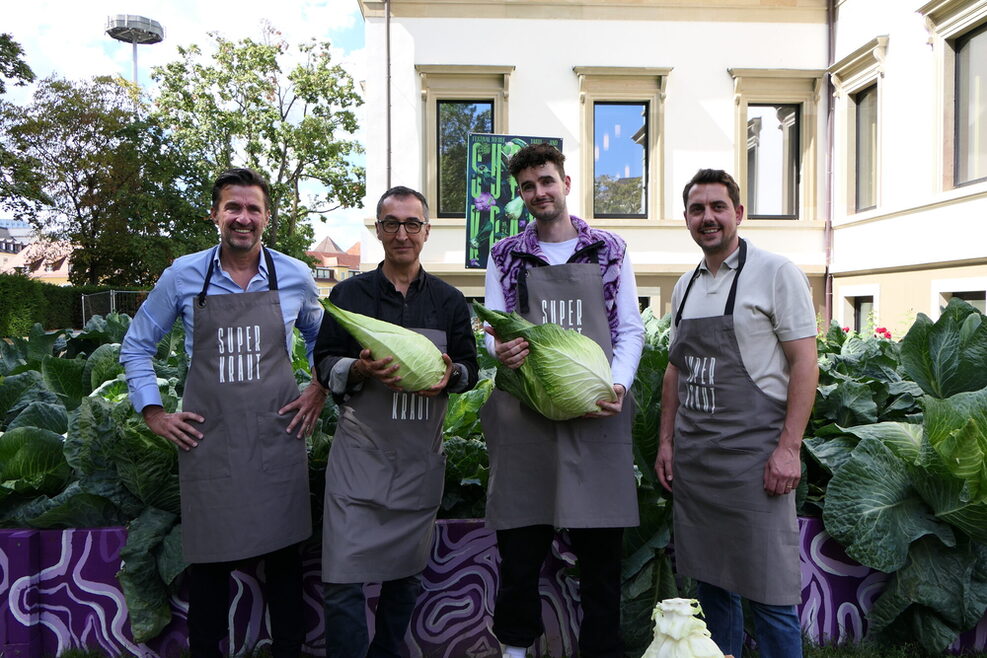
{"points": [[88, 165], [243, 106], [12, 65], [618, 196]]}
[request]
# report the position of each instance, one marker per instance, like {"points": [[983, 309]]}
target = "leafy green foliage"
{"points": [[241, 105], [948, 356], [908, 495], [142, 582], [13, 68], [87, 165]]}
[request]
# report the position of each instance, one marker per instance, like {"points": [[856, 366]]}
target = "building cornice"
{"points": [[767, 11]]}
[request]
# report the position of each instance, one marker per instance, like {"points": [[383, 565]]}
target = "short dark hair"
{"points": [[535, 155], [401, 192], [704, 176], [243, 177]]}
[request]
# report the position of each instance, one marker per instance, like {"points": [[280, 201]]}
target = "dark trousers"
{"points": [[517, 613], [346, 618], [209, 604]]}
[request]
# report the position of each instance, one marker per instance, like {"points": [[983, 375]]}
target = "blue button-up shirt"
{"points": [[174, 295]]}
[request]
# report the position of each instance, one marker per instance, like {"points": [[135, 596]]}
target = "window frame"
{"points": [[861, 69], [437, 199], [940, 288], [463, 83], [801, 87], [855, 100], [976, 31], [645, 172], [751, 179], [948, 21], [623, 84]]}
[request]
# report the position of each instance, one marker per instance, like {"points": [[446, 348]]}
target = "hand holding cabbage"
{"points": [[397, 357], [563, 375]]}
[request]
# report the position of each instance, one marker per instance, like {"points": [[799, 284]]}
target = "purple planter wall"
{"points": [[58, 590]]}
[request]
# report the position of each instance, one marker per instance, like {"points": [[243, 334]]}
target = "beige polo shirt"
{"points": [[773, 305]]}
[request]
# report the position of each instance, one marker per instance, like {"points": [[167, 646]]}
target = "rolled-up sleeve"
{"points": [[153, 320]]}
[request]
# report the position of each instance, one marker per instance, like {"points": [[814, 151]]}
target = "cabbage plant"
{"points": [[680, 633], [564, 374], [420, 364]]}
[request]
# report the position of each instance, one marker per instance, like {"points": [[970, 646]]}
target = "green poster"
{"points": [[494, 208]]}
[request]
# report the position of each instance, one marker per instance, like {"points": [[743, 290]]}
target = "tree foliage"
{"points": [[457, 119], [618, 196], [246, 104], [86, 164], [13, 68]]}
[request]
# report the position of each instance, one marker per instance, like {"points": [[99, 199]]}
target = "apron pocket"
{"points": [[278, 448], [209, 460], [360, 474], [418, 483]]}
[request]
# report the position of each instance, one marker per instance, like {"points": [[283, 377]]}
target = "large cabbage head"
{"points": [[419, 360], [564, 374], [680, 633]]}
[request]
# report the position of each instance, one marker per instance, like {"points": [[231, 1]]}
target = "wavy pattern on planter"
{"points": [[58, 590]]}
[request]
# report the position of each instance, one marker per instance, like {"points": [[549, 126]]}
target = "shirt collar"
{"points": [[261, 266], [385, 283], [730, 262]]}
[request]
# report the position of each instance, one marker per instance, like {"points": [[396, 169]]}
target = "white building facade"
{"points": [[837, 118]]}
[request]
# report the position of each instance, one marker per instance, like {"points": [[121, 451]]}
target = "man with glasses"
{"points": [[386, 469]]}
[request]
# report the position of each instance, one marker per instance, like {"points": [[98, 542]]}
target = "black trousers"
{"points": [[209, 604], [517, 612]]}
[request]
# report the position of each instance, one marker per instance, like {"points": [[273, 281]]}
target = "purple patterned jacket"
{"points": [[514, 255]]}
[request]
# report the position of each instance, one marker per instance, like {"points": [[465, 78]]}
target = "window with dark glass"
{"points": [[865, 148], [773, 157], [971, 108], [975, 298], [620, 159], [863, 311], [456, 120]]}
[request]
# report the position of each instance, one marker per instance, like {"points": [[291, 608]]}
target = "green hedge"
{"points": [[24, 301]]}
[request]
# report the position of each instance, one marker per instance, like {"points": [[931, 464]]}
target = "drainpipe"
{"points": [[828, 196], [387, 100]]}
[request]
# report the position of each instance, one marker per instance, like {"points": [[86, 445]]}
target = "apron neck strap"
{"points": [[731, 298], [272, 275]]}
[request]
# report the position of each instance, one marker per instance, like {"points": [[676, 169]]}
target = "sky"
{"points": [[67, 38]]}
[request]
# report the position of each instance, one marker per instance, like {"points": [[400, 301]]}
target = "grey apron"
{"points": [[728, 531], [575, 473], [384, 483], [244, 488]]}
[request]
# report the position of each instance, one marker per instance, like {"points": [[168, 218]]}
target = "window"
{"points": [[458, 100], [971, 107], [972, 290], [863, 313], [976, 298], [865, 148], [773, 161], [621, 119], [455, 120], [620, 159], [776, 125], [857, 82], [958, 34]]}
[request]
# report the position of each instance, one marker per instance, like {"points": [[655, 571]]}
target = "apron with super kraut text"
{"points": [[244, 488], [728, 531], [575, 473]]}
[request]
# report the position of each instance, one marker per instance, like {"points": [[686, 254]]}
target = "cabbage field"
{"points": [[894, 464]]}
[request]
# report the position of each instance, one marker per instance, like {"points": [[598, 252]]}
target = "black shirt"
{"points": [[430, 304]]}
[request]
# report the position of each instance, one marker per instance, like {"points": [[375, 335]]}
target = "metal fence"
{"points": [[112, 301]]}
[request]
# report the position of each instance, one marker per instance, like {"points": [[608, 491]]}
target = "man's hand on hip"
{"points": [[175, 427], [309, 405]]}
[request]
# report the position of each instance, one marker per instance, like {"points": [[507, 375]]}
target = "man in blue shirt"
{"points": [[242, 458]]}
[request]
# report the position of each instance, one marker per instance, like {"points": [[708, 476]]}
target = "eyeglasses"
{"points": [[411, 227]]}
